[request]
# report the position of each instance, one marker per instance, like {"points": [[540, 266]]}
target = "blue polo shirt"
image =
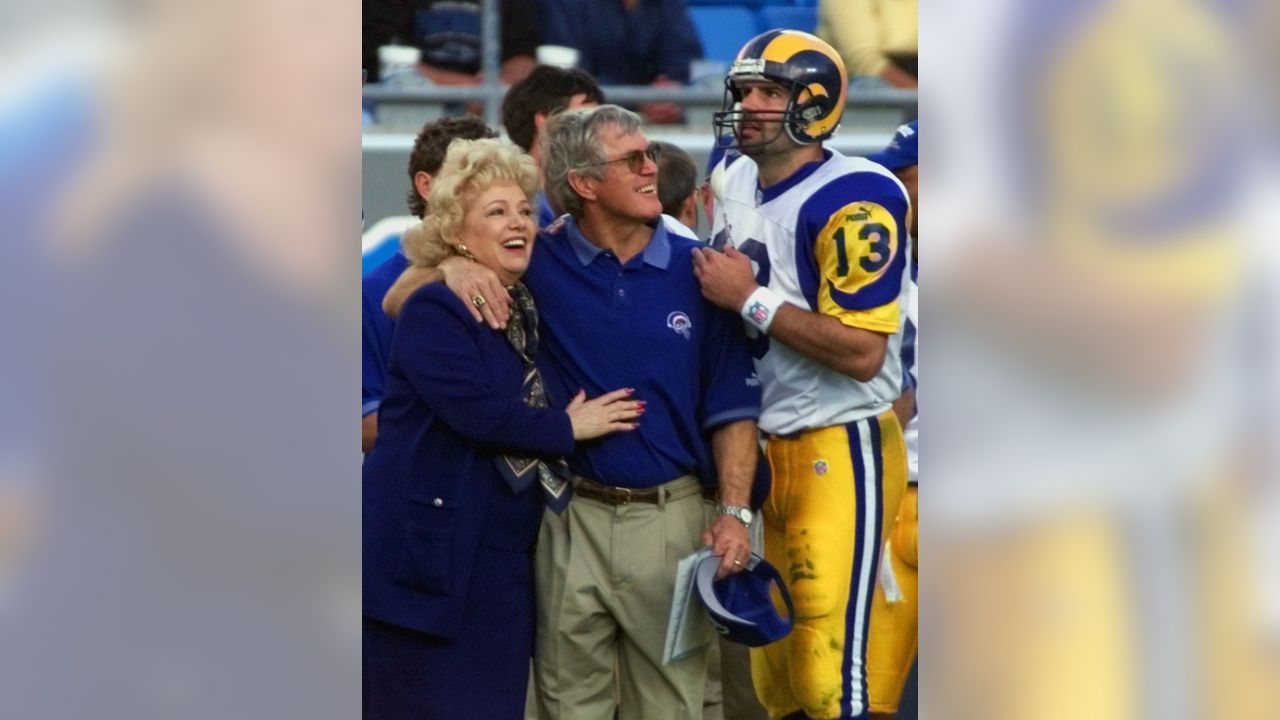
{"points": [[546, 215], [377, 329], [645, 325]]}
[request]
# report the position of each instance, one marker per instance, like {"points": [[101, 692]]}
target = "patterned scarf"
{"points": [[521, 470]]}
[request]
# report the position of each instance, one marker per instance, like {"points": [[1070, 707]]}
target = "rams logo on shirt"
{"points": [[680, 322]]}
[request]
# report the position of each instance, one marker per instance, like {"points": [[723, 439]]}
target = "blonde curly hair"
{"points": [[470, 166]]}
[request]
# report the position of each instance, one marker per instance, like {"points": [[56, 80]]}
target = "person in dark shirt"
{"points": [[627, 42], [448, 34]]}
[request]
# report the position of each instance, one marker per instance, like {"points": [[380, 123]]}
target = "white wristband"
{"points": [[760, 308]]}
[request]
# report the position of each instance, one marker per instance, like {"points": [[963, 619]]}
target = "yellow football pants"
{"points": [[823, 528]]}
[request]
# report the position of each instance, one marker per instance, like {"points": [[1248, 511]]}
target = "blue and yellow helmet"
{"points": [[807, 65]]}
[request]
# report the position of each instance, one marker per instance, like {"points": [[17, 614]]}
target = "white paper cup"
{"points": [[558, 55], [398, 62]]}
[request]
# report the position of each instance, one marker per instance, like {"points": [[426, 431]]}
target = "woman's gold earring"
{"points": [[462, 250]]}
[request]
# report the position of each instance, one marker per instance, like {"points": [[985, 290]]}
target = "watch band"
{"points": [[741, 513]]}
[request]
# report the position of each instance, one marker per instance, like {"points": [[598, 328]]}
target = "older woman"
{"points": [[466, 460]]}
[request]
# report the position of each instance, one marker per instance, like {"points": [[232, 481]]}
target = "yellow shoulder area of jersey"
{"points": [[857, 245], [854, 250]]}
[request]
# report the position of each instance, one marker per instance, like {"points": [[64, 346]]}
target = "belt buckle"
{"points": [[626, 495]]}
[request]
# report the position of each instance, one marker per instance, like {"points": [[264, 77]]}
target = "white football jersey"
{"points": [[831, 238]]}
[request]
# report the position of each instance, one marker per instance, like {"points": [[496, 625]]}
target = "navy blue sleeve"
{"points": [[680, 44], [376, 331], [372, 365], [436, 349], [730, 388]]}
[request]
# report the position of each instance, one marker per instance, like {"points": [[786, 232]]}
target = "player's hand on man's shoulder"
{"points": [[726, 278]]}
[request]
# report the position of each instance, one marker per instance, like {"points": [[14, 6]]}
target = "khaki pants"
{"points": [[605, 575]]}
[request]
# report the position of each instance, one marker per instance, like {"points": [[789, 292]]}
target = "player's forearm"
{"points": [[850, 351], [734, 448], [410, 280]]}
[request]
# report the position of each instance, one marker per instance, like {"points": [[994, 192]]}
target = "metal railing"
{"points": [[411, 106]]}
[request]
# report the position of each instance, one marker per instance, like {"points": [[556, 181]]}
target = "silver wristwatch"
{"points": [[741, 513]]}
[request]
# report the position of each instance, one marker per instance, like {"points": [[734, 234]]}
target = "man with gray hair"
{"points": [[619, 304]]}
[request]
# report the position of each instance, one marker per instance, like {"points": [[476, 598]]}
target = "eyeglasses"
{"points": [[635, 158]]}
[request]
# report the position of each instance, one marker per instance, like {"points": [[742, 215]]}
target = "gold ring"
{"points": [[478, 301], [737, 562]]}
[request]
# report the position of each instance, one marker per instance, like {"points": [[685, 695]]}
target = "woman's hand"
{"points": [[609, 413]]}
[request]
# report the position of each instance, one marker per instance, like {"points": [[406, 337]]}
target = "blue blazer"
{"points": [[453, 404]]}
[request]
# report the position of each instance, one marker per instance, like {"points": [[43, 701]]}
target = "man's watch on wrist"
{"points": [[741, 513]]}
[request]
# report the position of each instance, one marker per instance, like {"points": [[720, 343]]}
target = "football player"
{"points": [[811, 250]]}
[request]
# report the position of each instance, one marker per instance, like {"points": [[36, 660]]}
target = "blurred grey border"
{"points": [[179, 475]]}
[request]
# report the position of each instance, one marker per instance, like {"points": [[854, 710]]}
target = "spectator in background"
{"points": [[448, 34], [628, 42], [876, 38], [677, 184], [424, 162], [528, 104]]}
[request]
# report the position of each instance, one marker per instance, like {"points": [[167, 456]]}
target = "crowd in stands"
{"points": [[638, 42]]}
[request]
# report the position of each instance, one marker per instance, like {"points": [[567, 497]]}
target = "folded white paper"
{"points": [[687, 628]]}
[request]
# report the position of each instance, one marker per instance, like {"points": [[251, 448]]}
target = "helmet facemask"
{"points": [[792, 120]]}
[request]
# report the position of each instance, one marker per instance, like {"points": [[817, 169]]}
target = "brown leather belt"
{"points": [[610, 495]]}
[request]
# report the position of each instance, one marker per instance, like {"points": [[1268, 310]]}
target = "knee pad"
{"points": [[816, 658]]}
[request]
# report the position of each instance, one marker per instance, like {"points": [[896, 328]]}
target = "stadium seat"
{"points": [[789, 17], [723, 30]]}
